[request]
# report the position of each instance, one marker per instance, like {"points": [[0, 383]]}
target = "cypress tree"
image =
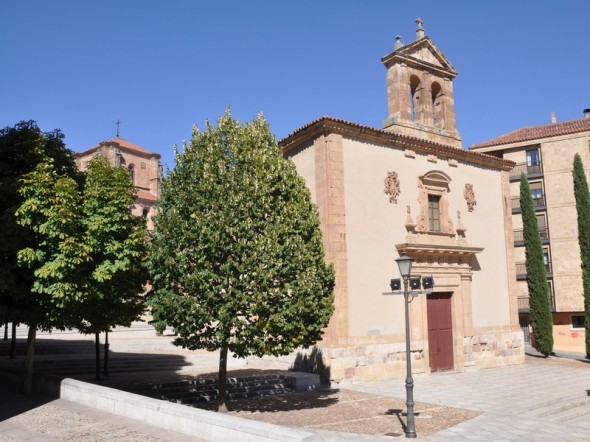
{"points": [[539, 305], [583, 208]]}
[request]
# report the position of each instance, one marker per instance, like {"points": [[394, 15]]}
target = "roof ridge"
{"points": [[527, 133]]}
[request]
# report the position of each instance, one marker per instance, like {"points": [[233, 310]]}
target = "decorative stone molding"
{"points": [[410, 224], [432, 158], [460, 228], [434, 182], [469, 195], [409, 153], [392, 186]]}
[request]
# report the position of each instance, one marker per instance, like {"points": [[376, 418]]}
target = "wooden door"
{"points": [[440, 331]]}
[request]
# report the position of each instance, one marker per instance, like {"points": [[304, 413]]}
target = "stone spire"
{"points": [[420, 31], [398, 43]]}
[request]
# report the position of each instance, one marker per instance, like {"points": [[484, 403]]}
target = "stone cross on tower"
{"points": [[117, 124]]}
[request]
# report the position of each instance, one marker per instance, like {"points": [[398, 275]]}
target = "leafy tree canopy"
{"points": [[117, 243], [237, 260], [22, 148]]}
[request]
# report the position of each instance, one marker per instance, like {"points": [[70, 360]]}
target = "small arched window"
{"points": [[145, 212], [131, 169]]}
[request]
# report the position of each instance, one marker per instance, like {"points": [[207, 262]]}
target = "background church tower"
{"points": [[420, 91]]}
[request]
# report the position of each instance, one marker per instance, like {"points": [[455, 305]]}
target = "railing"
{"points": [[523, 302], [521, 168], [537, 202], [521, 269], [543, 234]]}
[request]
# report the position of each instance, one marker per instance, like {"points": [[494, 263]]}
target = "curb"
{"points": [[190, 421]]}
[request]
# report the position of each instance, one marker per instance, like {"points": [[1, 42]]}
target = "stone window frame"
{"points": [[435, 183]]}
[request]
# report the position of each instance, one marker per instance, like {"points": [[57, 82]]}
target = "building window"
{"points": [[434, 206], [532, 157], [533, 161], [434, 213], [546, 260], [542, 225], [131, 169], [537, 193], [578, 321], [145, 212]]}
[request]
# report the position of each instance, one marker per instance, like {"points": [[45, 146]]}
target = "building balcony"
{"points": [[519, 236], [521, 270], [531, 171], [523, 302], [538, 202]]}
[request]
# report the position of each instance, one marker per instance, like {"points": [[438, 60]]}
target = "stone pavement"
{"points": [[39, 417], [544, 399], [541, 400]]}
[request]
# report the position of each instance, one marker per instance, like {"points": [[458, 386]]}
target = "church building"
{"points": [[409, 187], [143, 166]]}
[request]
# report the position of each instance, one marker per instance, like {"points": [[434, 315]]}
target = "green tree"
{"points": [[583, 208], [22, 148], [117, 243], [89, 251], [237, 261], [539, 305], [50, 211]]}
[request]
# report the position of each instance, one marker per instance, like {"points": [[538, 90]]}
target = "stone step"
{"points": [[552, 409], [579, 416]]}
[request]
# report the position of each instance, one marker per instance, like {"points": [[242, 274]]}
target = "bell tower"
{"points": [[420, 91]]}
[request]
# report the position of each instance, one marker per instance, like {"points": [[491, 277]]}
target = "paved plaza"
{"points": [[544, 399]]}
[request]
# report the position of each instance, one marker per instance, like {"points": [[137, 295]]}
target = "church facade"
{"points": [[411, 188]]}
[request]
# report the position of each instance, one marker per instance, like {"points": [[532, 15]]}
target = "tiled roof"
{"points": [[123, 144], [145, 195], [129, 145], [330, 124], [538, 132]]}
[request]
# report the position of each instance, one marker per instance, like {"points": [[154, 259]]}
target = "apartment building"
{"points": [[545, 154]]}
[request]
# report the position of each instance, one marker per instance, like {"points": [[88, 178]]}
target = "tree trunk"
{"points": [[221, 400], [97, 348], [106, 353], [30, 356], [13, 342]]}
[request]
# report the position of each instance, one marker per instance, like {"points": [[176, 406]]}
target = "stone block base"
{"points": [[382, 361]]}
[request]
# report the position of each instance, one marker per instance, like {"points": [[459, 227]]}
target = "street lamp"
{"points": [[404, 262]]}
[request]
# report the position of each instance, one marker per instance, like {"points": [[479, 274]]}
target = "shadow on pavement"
{"points": [[14, 402]]}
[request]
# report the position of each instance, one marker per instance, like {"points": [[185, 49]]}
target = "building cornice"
{"points": [[327, 125]]}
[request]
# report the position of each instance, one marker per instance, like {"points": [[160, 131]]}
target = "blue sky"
{"points": [[162, 66]]}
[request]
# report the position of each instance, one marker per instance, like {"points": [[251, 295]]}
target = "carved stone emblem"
{"points": [[392, 186], [469, 195]]}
